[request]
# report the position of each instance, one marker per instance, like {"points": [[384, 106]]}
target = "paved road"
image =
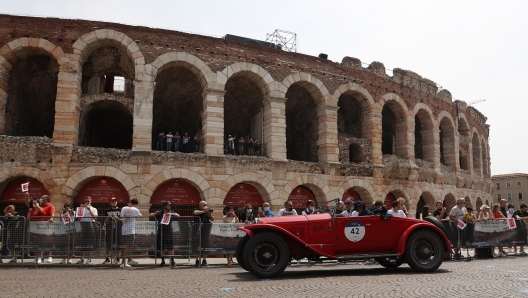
{"points": [[500, 277]]}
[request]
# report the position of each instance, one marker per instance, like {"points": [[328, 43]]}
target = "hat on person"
{"points": [[112, 199], [484, 207], [358, 204], [166, 203]]}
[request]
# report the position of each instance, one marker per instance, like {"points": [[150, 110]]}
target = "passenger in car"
{"points": [[395, 210], [310, 208], [349, 207], [360, 209], [288, 209]]}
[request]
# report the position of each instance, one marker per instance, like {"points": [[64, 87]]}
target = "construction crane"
{"points": [[471, 103]]}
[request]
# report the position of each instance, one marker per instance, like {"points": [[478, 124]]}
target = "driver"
{"points": [[349, 207]]}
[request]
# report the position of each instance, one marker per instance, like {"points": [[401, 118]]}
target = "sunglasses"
{"points": [[348, 203]]}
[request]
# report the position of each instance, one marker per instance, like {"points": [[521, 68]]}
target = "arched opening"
{"points": [[97, 118], [301, 125], [424, 136], [183, 196], [388, 126], [349, 116], [30, 106], [468, 201], [13, 194], [389, 199], [243, 111], [485, 161], [478, 204], [463, 131], [178, 107], [449, 201], [354, 153], [299, 196], [426, 199], [101, 189], [447, 143], [240, 195], [352, 194], [476, 154]]}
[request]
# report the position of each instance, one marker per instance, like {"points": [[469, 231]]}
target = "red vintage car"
{"points": [[271, 243]]}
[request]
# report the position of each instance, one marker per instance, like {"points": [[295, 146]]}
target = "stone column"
{"points": [[275, 127], [213, 121], [328, 148], [405, 134], [67, 102], [372, 130], [143, 115]]}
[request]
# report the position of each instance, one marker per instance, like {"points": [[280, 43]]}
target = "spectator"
{"points": [[87, 220], [402, 206], [165, 237], [169, 137], [186, 145], [257, 147], [161, 140], [287, 210], [425, 212], [339, 207], [251, 145], [15, 229], [206, 217], [231, 142], [176, 142], [40, 210], [67, 210], [349, 208], [128, 231], [112, 229], [247, 217], [484, 214], [241, 143], [521, 214], [511, 210], [265, 212], [457, 213], [469, 217], [496, 214], [359, 209], [310, 208], [440, 212], [395, 210], [503, 208], [197, 140], [230, 217]]}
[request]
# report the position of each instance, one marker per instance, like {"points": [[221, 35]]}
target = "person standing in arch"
{"points": [[206, 217], [169, 141], [241, 143], [288, 209]]}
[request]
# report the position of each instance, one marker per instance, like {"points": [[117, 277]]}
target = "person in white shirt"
{"points": [[457, 213], [359, 209], [395, 210], [349, 208], [88, 231], [287, 210], [128, 217], [310, 208]]}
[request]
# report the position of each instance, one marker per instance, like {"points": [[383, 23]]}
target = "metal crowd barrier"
{"points": [[181, 238], [13, 235]]}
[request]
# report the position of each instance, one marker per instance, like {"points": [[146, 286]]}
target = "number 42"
{"points": [[354, 231]]}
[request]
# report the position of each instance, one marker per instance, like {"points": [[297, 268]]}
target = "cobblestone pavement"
{"points": [[500, 277]]}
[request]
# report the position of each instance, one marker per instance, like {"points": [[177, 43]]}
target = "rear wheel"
{"points": [[266, 255], [424, 251], [239, 252], [390, 262]]}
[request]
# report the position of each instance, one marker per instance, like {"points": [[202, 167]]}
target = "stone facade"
{"points": [[219, 74]]}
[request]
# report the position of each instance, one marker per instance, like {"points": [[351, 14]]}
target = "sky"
{"points": [[475, 49]]}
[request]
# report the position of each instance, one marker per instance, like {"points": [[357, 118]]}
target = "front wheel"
{"points": [[424, 251], [266, 255], [239, 252], [390, 262]]}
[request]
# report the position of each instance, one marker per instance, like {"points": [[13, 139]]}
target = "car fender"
{"points": [[250, 230], [400, 248]]}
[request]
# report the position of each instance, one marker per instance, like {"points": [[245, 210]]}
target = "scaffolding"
{"points": [[284, 40]]}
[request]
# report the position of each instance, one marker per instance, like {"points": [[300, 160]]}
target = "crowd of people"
{"points": [[251, 147], [178, 143]]}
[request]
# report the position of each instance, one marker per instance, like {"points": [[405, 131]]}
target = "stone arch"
{"points": [[423, 132], [447, 139], [478, 204], [181, 59], [363, 188], [195, 179], [428, 199], [354, 88], [255, 73], [394, 125], [8, 174], [89, 42], [18, 50], [264, 186], [463, 143], [449, 201], [308, 105], [468, 202], [315, 184], [77, 180], [476, 153]]}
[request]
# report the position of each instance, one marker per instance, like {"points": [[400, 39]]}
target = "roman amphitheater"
{"points": [[327, 129]]}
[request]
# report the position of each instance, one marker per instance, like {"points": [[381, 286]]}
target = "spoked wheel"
{"points": [[424, 251], [266, 255], [390, 262], [239, 252]]}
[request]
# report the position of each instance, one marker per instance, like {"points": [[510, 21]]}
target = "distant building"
{"points": [[512, 187]]}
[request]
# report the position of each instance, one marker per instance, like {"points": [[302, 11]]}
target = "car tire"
{"points": [[390, 263], [266, 255], [435, 221], [239, 252], [424, 251]]}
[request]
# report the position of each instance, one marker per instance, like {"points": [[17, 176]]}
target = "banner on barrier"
{"points": [[224, 238], [498, 232]]}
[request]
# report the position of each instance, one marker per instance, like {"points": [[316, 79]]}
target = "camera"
{"points": [[211, 210]]}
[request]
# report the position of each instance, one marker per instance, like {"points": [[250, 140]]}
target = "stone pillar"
{"points": [[372, 130], [405, 131], [275, 127], [5, 67], [67, 102], [143, 115], [213, 121], [328, 147]]}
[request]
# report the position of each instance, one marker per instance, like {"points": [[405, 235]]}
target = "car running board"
{"points": [[367, 256]]}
